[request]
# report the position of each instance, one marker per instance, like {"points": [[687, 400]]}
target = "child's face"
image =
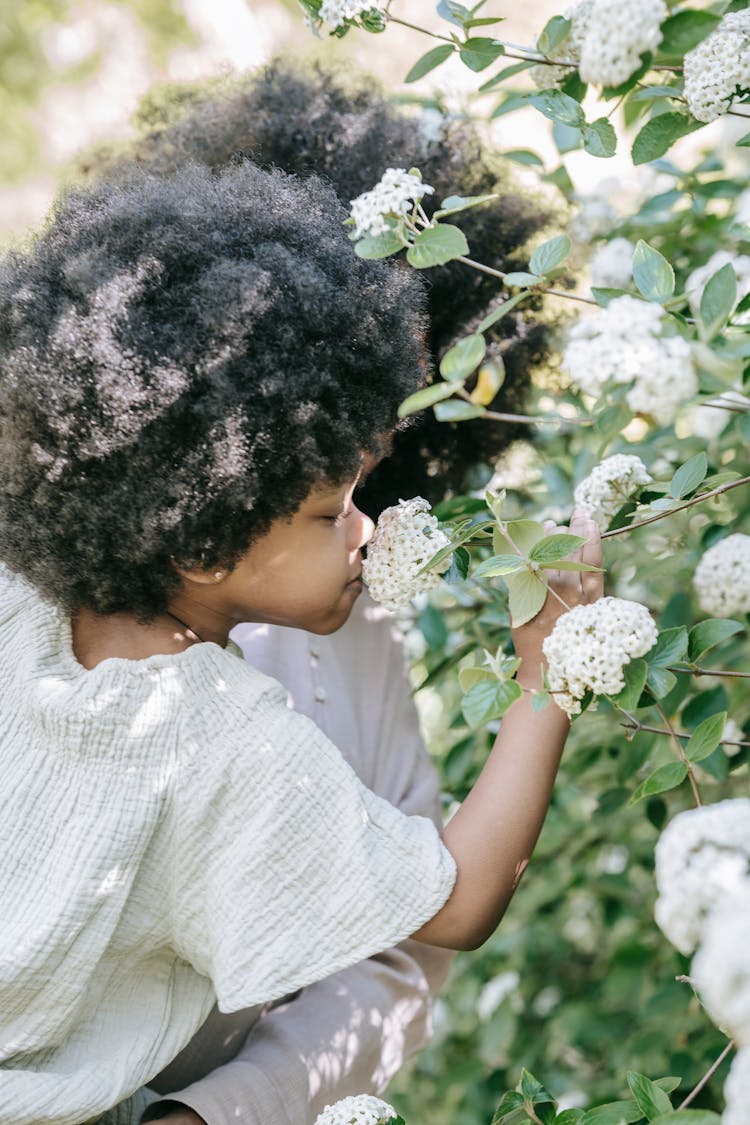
{"points": [[304, 572]]}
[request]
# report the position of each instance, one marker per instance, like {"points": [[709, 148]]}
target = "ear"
{"points": [[199, 577]]}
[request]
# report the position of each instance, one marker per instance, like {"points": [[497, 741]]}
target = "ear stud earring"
{"points": [[218, 576]]}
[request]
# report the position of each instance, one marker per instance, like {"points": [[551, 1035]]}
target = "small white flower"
{"points": [[624, 343], [612, 264], [717, 71], [336, 12], [546, 75], [721, 967], [589, 647], [722, 577], [617, 35], [604, 491], [405, 539], [732, 733], [737, 1089], [392, 197], [358, 1109], [702, 856]]}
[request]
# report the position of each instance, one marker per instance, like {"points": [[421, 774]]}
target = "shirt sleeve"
{"points": [[287, 869]]}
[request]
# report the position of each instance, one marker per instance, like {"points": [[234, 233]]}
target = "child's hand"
{"points": [[567, 589]]}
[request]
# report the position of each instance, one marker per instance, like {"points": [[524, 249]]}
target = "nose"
{"points": [[362, 529]]}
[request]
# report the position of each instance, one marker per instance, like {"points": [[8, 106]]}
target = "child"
{"points": [[194, 369], [352, 1031]]}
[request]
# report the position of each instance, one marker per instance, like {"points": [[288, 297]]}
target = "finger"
{"points": [[591, 553]]}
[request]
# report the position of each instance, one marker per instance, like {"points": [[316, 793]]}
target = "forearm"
{"points": [[493, 834]]}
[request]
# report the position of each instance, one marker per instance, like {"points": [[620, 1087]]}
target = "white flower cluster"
{"points": [[606, 41], [722, 577], [718, 70], [405, 539], [703, 878], [696, 281], [732, 733], [702, 857], [617, 35], [336, 12], [604, 491], [612, 264], [393, 195], [737, 1089], [546, 75], [591, 644], [623, 343], [595, 217], [721, 967], [357, 1109]]}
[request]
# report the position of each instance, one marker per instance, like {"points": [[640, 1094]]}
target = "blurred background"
{"points": [[73, 71]]}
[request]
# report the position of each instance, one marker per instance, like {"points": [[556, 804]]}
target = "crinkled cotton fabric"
{"points": [[176, 836]]}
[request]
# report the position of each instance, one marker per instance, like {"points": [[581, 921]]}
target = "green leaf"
{"points": [[426, 397], [456, 410], [487, 701], [499, 565], [527, 595], [453, 12], [688, 1117], [559, 107], [540, 700], [510, 1111], [518, 277], [743, 142], [521, 535], [706, 737], [437, 245], [707, 634], [665, 778], [689, 476], [660, 681], [480, 52], [429, 61], [599, 138], [550, 254], [554, 32], [509, 103], [635, 681], [505, 73], [524, 156], [613, 1113], [501, 311], [671, 646], [718, 299], [648, 1096], [659, 134], [379, 245], [552, 548], [456, 203], [652, 273], [604, 297], [686, 30], [468, 677], [463, 358]]}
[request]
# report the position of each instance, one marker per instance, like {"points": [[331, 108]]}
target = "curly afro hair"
{"points": [[183, 358], [337, 123]]}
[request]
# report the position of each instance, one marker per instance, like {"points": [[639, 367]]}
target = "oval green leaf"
{"points": [[652, 273], [436, 246], [660, 781], [463, 358], [429, 61]]}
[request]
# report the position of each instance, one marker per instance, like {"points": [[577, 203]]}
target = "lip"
{"points": [[356, 580]]}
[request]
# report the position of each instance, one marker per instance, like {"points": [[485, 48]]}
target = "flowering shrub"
{"points": [[643, 419]]}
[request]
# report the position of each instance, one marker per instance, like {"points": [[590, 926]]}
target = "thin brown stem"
{"points": [[708, 1075], [637, 727], [421, 30], [694, 670], [680, 752], [680, 507]]}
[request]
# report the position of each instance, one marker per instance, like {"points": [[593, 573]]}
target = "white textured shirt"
{"points": [[172, 835]]}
